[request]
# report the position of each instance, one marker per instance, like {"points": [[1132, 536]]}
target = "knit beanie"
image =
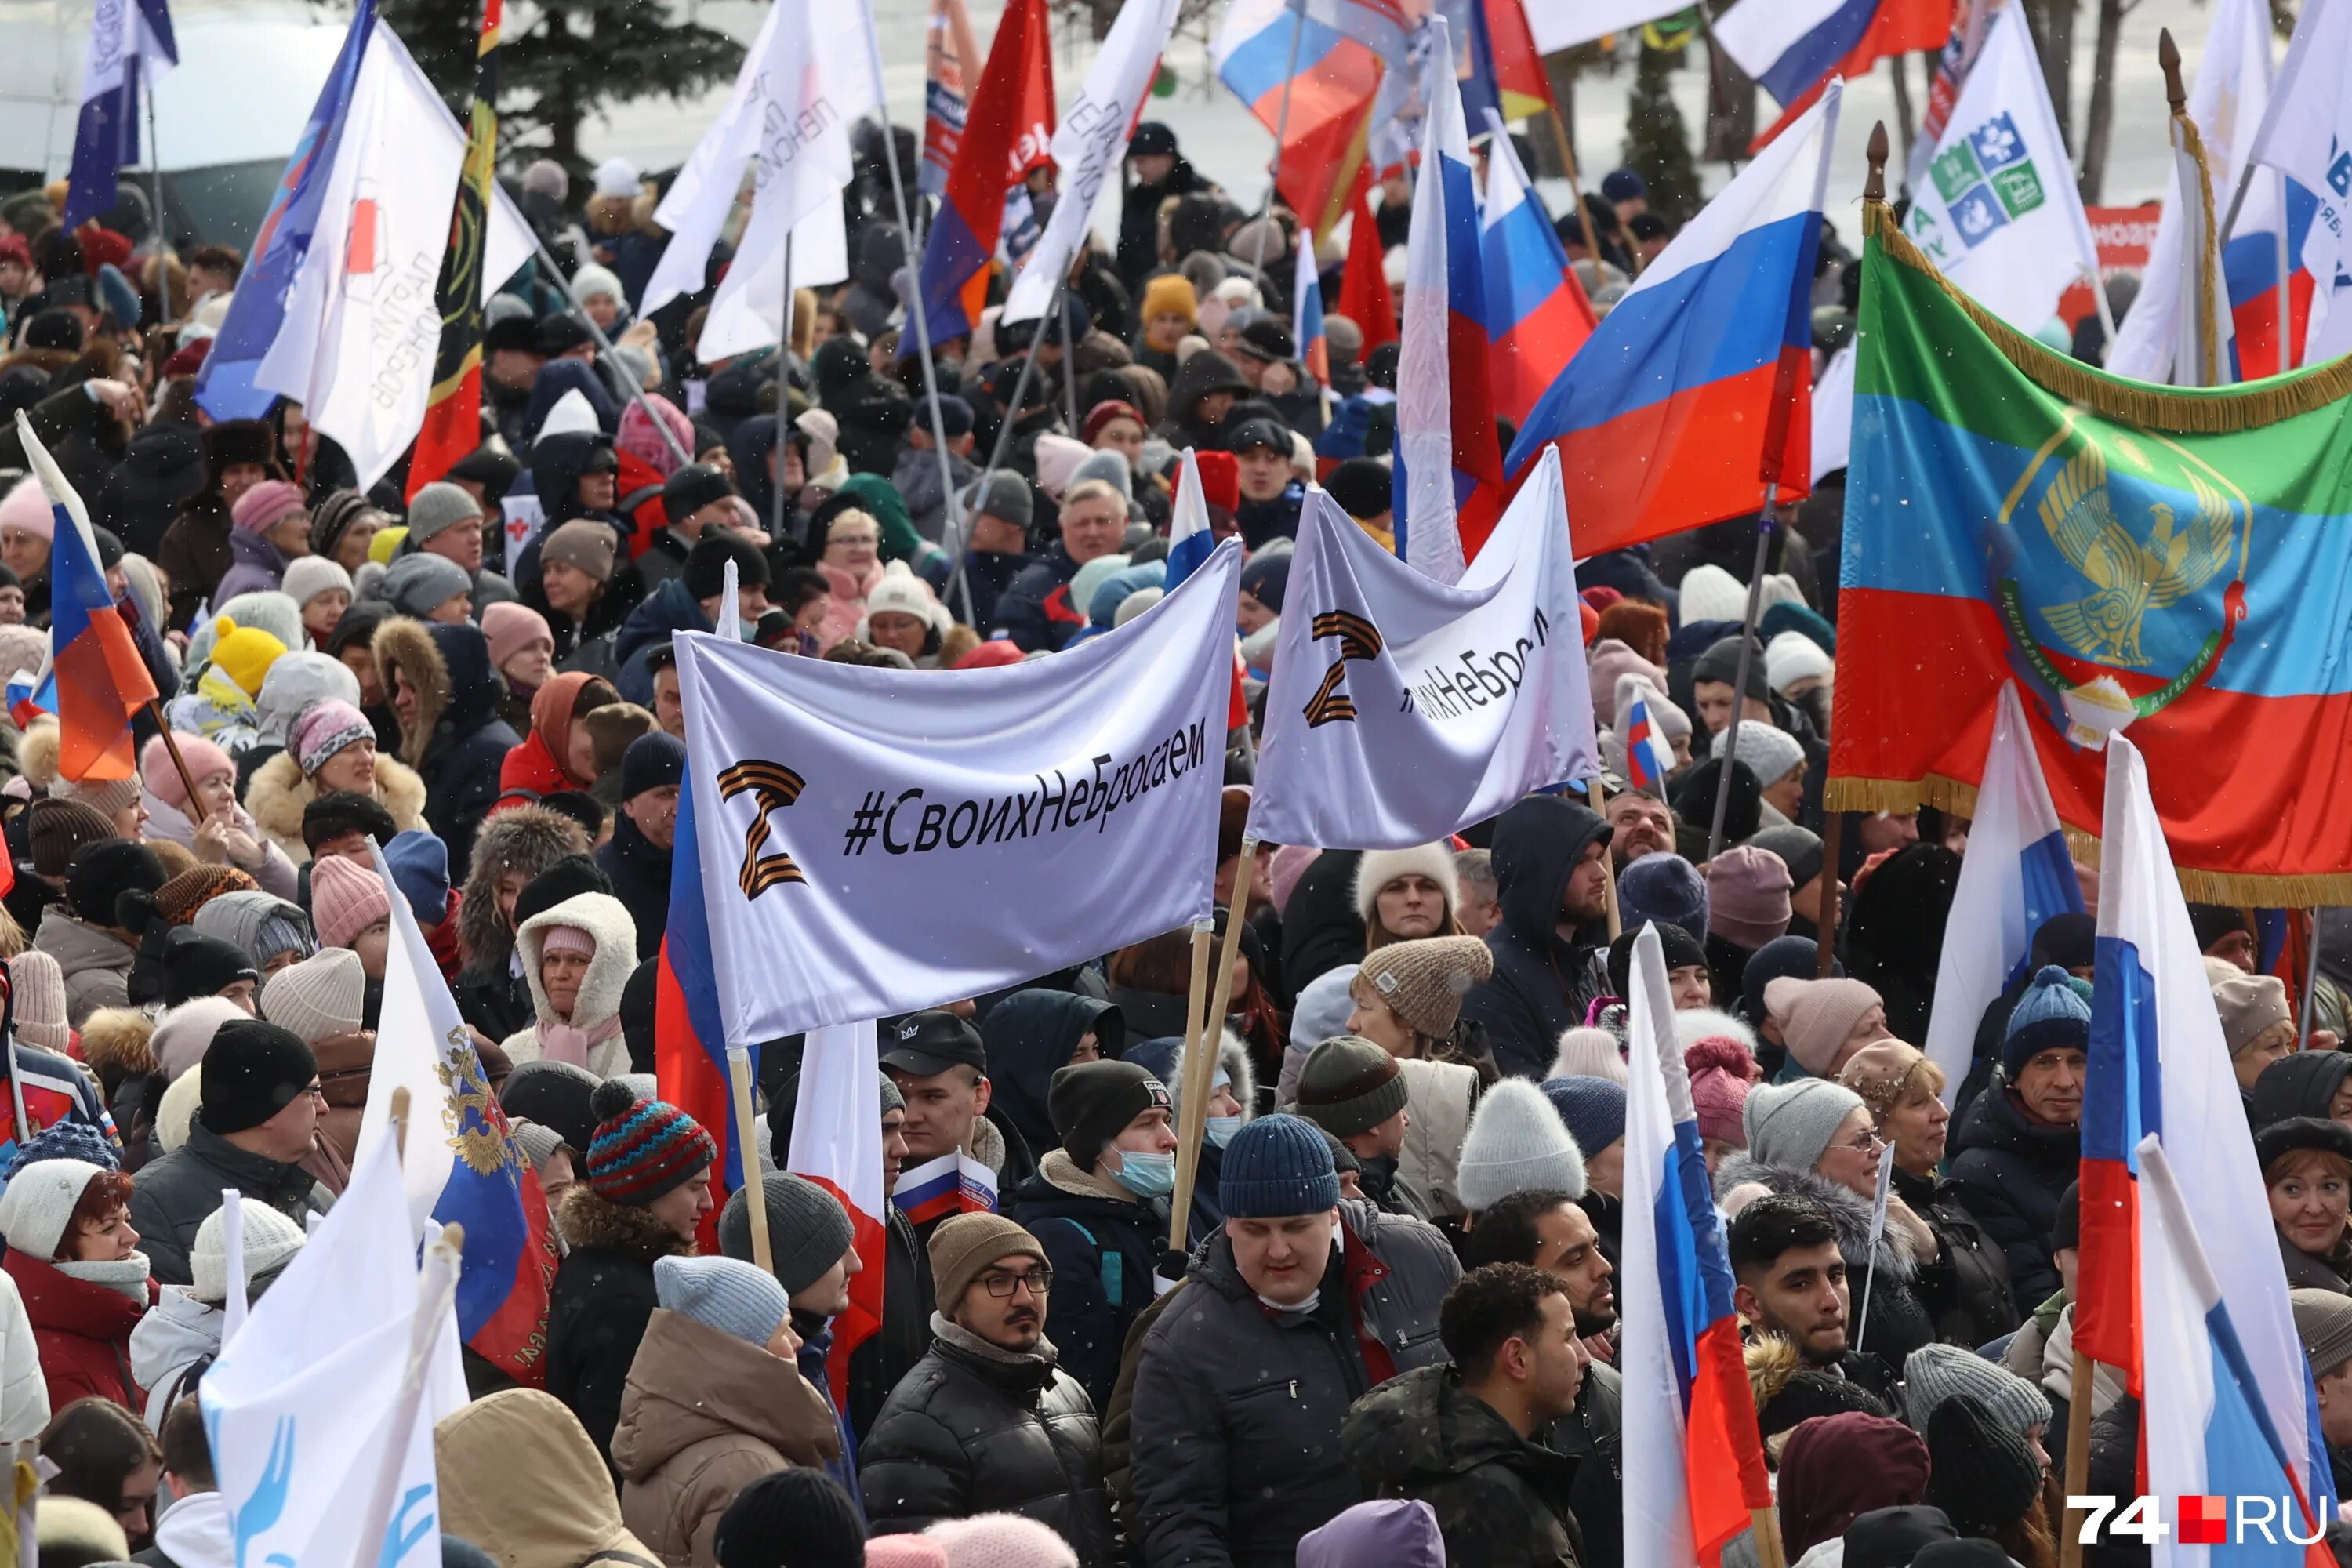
{"points": [[1892, 1537], [39, 1205], [1981, 1473], [693, 486], [1841, 1466], [440, 505], [1881, 1073], [1349, 1085], [1592, 1109], [1517, 1143], [270, 502], [1799, 849], [1277, 1167], [1170, 294], [1770, 753], [705, 573], [308, 576], [1424, 981], [2251, 1005], [1721, 1073], [37, 982], [2323, 1321], [1817, 1017], [1678, 947], [1793, 657], [324, 729], [1935, 1372], [1665, 887], [179, 899], [1748, 896], [722, 1293], [2050, 1015], [245, 654], [965, 1244], [643, 1148], [1789, 1124], [583, 544], [650, 762], [346, 900], [101, 873], [799, 1518], [68, 1141], [1709, 592], [419, 863], [510, 627], [320, 997], [2066, 1225], [204, 761], [553, 1094], [807, 1231], [419, 585], [1790, 958], [905, 1551], [54, 829], [183, 1036], [1091, 1103], [270, 1240], [1002, 1541], [106, 797], [252, 1071], [195, 965]]}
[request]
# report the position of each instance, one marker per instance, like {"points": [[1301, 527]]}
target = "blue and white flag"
{"points": [[129, 40], [1190, 538], [2018, 872]]}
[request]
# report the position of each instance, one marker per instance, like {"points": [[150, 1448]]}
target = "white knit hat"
{"points": [[1378, 867], [270, 1238], [619, 177], [308, 576], [39, 1201], [903, 593], [1769, 752], [320, 997], [185, 1032], [1711, 593], [1517, 1143], [1793, 657]]}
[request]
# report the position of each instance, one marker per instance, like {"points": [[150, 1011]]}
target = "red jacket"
{"points": [[83, 1332], [534, 767]]}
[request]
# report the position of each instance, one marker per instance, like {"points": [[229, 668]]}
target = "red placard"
{"points": [[2124, 236]]}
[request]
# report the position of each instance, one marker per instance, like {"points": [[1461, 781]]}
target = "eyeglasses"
{"points": [[1039, 1279], [1866, 1141]]}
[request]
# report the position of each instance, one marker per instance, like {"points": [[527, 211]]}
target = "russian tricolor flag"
{"points": [[2250, 272], [2159, 1065], [1649, 755], [1794, 48], [1448, 475], [837, 1144], [689, 1039], [1693, 1463], [1537, 314], [2019, 872], [1306, 315], [1190, 543], [1695, 392], [1007, 130], [1325, 62]]}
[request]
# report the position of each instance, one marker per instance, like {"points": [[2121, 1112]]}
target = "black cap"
{"points": [[925, 1044], [514, 334], [197, 965], [2281, 1138], [1152, 139], [1363, 486], [706, 565], [560, 333], [1259, 432], [955, 416], [692, 488], [1266, 339]]}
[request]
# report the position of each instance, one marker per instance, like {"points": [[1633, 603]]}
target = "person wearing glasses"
{"points": [[1815, 1140], [987, 1422], [257, 1118]]}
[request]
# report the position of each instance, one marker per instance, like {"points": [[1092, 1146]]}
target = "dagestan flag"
{"points": [[453, 418]]}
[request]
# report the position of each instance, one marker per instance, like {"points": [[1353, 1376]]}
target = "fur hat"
{"points": [[1378, 867]]}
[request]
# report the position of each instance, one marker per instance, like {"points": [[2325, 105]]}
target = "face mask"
{"points": [[1146, 1176], [1220, 1130]]}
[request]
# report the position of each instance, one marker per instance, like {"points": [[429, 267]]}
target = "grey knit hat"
{"points": [[438, 506], [419, 585], [1349, 1086], [1935, 1373], [1789, 1124], [807, 1232], [1517, 1143], [721, 1293], [321, 996]]}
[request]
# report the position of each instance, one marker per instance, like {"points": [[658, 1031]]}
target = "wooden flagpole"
{"points": [[1193, 1114]]}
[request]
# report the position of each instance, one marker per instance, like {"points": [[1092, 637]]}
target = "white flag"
{"points": [[1403, 710], [1090, 146], [1563, 23], [2307, 136], [699, 201], [878, 841], [1424, 376], [2000, 213], [1834, 413]]}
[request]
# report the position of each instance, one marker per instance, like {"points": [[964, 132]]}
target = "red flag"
{"points": [[1008, 132], [1363, 283]]}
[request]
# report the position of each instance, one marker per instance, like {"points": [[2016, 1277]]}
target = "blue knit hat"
{"points": [[1665, 887], [420, 869], [1275, 1167], [2051, 1015], [1593, 1109], [735, 1298], [70, 1140]]}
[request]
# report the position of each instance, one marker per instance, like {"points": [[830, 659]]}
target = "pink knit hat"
{"points": [[1721, 1071], [1608, 659], [1289, 864], [1748, 896], [325, 728], [266, 504], [639, 438], [567, 939], [346, 900], [27, 510], [38, 982], [510, 628], [1002, 1541], [163, 780], [905, 1551]]}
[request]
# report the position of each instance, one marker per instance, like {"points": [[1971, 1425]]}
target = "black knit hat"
{"points": [[252, 1070], [1891, 1537], [1092, 1102], [1349, 1085], [706, 564], [2066, 1229], [1981, 1473], [568, 878], [652, 760], [1681, 951], [793, 1519], [341, 811], [692, 488], [1720, 662], [553, 1094], [101, 873], [1362, 486], [197, 965]]}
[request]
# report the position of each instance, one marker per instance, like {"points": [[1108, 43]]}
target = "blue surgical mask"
{"points": [[1220, 1130], [1146, 1176]]}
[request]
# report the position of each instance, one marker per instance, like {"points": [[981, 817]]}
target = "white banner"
{"points": [[1403, 710], [2304, 134], [875, 841]]}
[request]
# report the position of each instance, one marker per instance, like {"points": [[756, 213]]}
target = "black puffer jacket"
{"points": [[976, 1429], [174, 1194], [1895, 1323], [1322, 927], [1239, 1407], [639, 872], [1542, 983], [599, 1305], [1501, 1500], [456, 742], [2011, 1170], [1102, 1244], [882, 1359], [1966, 1287]]}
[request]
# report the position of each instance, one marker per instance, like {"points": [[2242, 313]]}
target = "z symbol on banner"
{"points": [[1358, 638], [775, 787]]}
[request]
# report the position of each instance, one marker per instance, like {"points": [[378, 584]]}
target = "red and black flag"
{"points": [[453, 417]]}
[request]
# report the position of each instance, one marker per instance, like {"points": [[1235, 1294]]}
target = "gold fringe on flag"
{"points": [[2209, 258]]}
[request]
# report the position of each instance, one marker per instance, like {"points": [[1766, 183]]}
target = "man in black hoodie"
{"points": [[1160, 172], [1551, 877]]}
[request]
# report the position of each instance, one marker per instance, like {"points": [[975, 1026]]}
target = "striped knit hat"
{"points": [[643, 1148]]}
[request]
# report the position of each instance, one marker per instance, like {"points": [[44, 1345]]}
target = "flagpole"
{"points": [[755, 1182], [1198, 1062], [1730, 747], [1832, 844], [1608, 872], [2078, 1454], [1281, 131], [2285, 288], [783, 381], [604, 347], [180, 764], [1193, 1113], [2310, 980], [1003, 442], [437, 1288], [155, 181]]}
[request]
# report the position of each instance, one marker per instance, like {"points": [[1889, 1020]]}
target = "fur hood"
{"points": [[1906, 1240], [36, 754], [278, 793], [603, 917], [1378, 867], [1062, 1174], [114, 1041], [593, 1223], [527, 839], [1771, 1361], [457, 689], [1697, 1024]]}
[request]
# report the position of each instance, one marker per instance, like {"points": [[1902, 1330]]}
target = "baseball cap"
{"points": [[1259, 432], [927, 1043]]}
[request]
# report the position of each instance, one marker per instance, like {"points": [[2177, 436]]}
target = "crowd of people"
{"points": [[1393, 1336]]}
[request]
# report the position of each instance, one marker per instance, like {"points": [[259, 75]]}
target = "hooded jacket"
{"points": [[1895, 1323], [1103, 1243], [195, 1531], [1543, 983], [596, 1012], [523, 1484], [83, 1329], [1502, 1500], [747, 446], [974, 1428], [639, 871], [175, 1334], [97, 966], [601, 1303], [1241, 1405], [1030, 1035], [279, 791], [704, 1415], [1163, 1057], [2011, 1170], [1206, 372], [557, 378], [537, 763], [527, 840], [456, 742], [916, 478], [666, 610]]}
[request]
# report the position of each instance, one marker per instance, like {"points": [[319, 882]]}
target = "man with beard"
{"points": [[1791, 1283], [1641, 824], [1547, 1229]]}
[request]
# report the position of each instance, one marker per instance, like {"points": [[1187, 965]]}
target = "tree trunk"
{"points": [[2099, 122], [2053, 24], [1730, 108]]}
